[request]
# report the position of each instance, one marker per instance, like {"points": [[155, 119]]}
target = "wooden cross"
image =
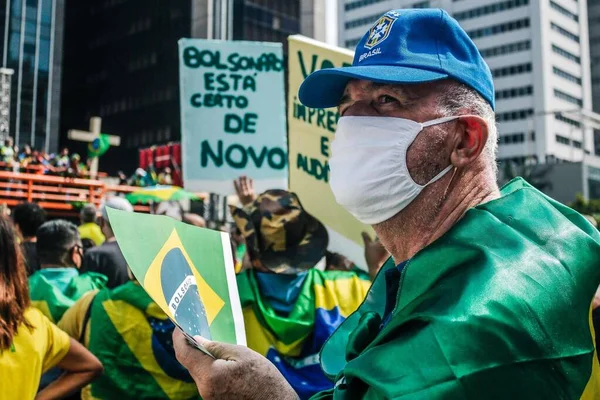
{"points": [[89, 137]]}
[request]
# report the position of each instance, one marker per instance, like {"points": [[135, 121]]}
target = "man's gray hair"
{"points": [[88, 213], [118, 203], [457, 97]]}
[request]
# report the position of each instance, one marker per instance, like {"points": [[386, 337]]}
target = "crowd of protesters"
{"points": [[71, 165], [77, 276], [27, 159]]}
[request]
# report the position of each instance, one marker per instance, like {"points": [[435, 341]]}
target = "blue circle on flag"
{"points": [[181, 294]]}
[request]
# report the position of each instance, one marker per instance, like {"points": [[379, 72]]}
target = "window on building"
{"points": [[421, 4], [566, 54], [514, 115], [514, 92], [565, 75], [500, 28], [506, 49], [577, 144], [563, 140], [489, 9], [572, 122], [511, 70], [564, 32], [351, 44], [555, 6], [362, 21], [512, 138], [567, 97], [360, 3]]}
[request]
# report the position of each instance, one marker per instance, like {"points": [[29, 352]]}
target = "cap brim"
{"points": [[324, 88]]}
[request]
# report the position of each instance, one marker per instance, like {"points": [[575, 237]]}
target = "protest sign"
{"points": [[188, 271], [232, 114], [310, 133]]}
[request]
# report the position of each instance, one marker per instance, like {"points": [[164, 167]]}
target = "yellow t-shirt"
{"points": [[33, 352], [92, 231], [72, 323]]}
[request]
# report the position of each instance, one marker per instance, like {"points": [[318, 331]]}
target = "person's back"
{"points": [[89, 229], [288, 323], [131, 336], [29, 343], [108, 259], [290, 304], [28, 217], [58, 284], [7, 152]]}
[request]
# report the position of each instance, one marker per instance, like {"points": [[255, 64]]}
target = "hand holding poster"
{"points": [[232, 114], [311, 131], [187, 271]]}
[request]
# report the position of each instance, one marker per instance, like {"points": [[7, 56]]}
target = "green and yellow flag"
{"points": [[292, 341], [99, 146], [131, 336], [54, 290], [187, 271], [497, 308]]}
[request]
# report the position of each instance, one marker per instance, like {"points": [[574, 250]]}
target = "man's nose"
{"points": [[361, 108]]}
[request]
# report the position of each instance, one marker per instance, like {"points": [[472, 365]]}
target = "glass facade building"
{"points": [[121, 60], [32, 47]]}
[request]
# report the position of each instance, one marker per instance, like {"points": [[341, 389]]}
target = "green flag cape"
{"points": [[52, 301], [497, 308], [99, 146], [131, 336], [292, 342]]}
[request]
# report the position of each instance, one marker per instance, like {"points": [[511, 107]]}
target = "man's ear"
{"points": [[471, 137]]}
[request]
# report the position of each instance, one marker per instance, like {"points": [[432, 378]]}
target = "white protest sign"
{"points": [[232, 114]]}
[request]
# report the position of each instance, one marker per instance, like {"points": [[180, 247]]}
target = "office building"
{"points": [[538, 52], [594, 27], [121, 60], [32, 36]]}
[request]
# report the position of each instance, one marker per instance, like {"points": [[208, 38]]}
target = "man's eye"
{"points": [[385, 99]]}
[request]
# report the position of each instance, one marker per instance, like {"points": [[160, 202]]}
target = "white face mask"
{"points": [[369, 176]]}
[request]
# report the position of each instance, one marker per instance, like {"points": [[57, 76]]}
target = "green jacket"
{"points": [[497, 308]]}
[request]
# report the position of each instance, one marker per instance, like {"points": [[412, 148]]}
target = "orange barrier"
{"points": [[57, 194], [41, 170]]}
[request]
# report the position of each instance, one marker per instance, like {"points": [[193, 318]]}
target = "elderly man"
{"points": [[489, 291]]}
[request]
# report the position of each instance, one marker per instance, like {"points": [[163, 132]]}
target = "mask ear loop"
{"points": [[450, 183]]}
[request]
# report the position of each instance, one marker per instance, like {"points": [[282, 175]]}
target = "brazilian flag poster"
{"points": [[188, 271]]}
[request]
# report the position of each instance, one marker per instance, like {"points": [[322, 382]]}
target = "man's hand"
{"points": [[236, 372], [375, 254], [244, 187]]}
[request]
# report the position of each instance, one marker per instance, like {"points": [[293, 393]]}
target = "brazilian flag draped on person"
{"points": [[54, 290], [292, 342], [99, 146], [132, 337], [497, 308]]}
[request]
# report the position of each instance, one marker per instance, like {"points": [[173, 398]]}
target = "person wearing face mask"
{"points": [[488, 292], [58, 284], [291, 305]]}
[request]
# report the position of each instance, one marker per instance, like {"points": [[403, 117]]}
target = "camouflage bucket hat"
{"points": [[280, 234]]}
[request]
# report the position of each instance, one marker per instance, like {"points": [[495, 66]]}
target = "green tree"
{"points": [[587, 207]]}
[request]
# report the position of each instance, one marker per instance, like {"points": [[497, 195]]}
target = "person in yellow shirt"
{"points": [[89, 229], [29, 343]]}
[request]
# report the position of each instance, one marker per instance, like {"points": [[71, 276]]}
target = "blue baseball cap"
{"points": [[405, 46]]}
